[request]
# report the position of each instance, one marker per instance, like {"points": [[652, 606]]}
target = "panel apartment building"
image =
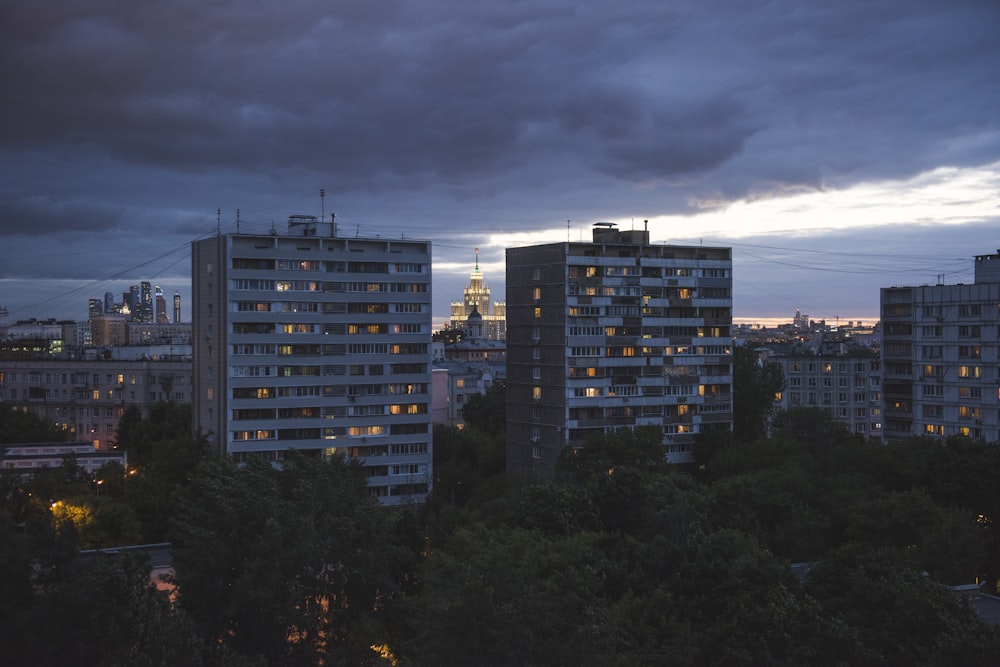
{"points": [[848, 388], [939, 357], [319, 343], [616, 333], [86, 397]]}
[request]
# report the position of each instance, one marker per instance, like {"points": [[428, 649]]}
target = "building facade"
{"points": [[476, 297], [940, 357], [849, 388], [318, 343], [456, 383], [613, 334], [87, 397], [29, 458]]}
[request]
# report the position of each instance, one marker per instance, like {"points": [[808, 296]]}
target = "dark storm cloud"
{"points": [[145, 117]]}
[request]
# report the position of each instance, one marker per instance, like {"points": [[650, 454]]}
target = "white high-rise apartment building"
{"points": [[940, 355], [317, 343]]}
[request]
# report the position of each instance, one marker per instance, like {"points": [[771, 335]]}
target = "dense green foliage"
{"points": [[755, 384], [17, 426], [618, 560]]}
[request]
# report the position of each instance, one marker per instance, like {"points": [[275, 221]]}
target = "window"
{"points": [[968, 351], [537, 293], [536, 393], [968, 371], [969, 412], [932, 411], [932, 351], [969, 331], [969, 309]]}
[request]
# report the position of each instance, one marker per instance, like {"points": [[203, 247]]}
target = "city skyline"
{"points": [[838, 149]]}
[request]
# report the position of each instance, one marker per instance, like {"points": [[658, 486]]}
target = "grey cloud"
{"points": [[437, 116]]}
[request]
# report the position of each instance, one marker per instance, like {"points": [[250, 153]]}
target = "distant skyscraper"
{"points": [[109, 302], [146, 304], [160, 315], [134, 301], [177, 308], [94, 308]]}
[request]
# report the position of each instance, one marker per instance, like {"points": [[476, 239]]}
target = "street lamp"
{"points": [[98, 486]]}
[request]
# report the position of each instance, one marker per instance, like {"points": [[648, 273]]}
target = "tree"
{"points": [[641, 447], [755, 385], [163, 454], [17, 426], [293, 566], [943, 542], [463, 459], [107, 613], [897, 615], [809, 427], [487, 413], [502, 596]]}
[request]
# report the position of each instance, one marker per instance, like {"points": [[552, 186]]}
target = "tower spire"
{"points": [[477, 259]]}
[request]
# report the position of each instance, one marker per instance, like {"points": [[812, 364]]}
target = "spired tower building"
{"points": [[477, 297]]}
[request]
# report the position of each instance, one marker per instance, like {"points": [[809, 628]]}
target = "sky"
{"points": [[837, 147]]}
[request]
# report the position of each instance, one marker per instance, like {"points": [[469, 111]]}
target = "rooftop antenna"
{"points": [[333, 221], [237, 221], [322, 203], [218, 222], [567, 231], [357, 232]]}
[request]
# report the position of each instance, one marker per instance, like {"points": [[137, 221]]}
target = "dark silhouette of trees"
{"points": [[618, 560], [755, 384], [17, 426]]}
